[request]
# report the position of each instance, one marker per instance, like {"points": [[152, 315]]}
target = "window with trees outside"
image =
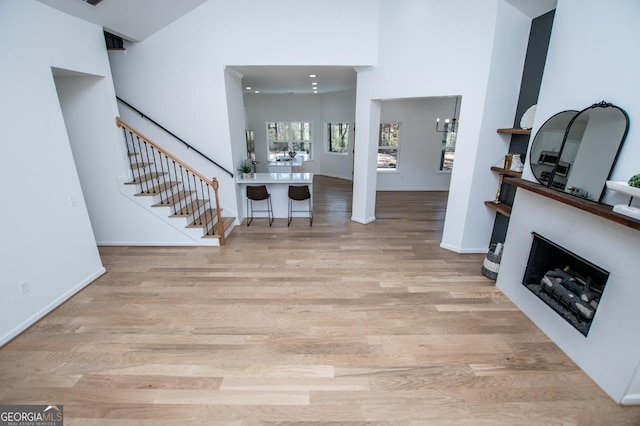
{"points": [[337, 137], [388, 144], [284, 137]]}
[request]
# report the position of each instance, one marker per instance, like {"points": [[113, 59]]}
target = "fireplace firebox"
{"points": [[567, 283]]}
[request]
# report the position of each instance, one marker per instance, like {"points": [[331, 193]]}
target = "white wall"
{"points": [[336, 108], [88, 110], [237, 128], [317, 109], [45, 241], [262, 108], [587, 34], [425, 52], [420, 145], [177, 75]]}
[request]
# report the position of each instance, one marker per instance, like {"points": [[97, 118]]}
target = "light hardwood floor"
{"points": [[339, 322]]}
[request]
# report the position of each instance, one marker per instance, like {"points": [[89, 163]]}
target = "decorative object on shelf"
{"points": [[526, 122], [292, 155], [500, 180], [631, 191], [491, 263], [574, 152], [496, 204], [246, 168], [635, 181], [516, 163], [510, 162]]}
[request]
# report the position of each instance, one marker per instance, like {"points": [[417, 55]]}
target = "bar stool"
{"points": [[299, 193], [258, 193]]}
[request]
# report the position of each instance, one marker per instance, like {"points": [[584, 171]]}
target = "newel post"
{"points": [[220, 225]]}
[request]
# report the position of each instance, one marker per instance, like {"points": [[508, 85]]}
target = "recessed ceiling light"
{"points": [[257, 91], [312, 75], [92, 2], [314, 83], [248, 87]]}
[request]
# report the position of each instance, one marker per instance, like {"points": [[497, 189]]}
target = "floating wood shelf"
{"points": [[506, 172], [503, 209], [515, 131], [601, 210]]}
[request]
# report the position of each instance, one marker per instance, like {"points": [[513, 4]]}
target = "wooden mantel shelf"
{"points": [[601, 210], [515, 131]]}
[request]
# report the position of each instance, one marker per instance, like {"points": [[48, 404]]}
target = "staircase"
{"points": [[177, 193]]}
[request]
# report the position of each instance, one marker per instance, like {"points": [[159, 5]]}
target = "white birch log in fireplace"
{"points": [[554, 286], [576, 284]]}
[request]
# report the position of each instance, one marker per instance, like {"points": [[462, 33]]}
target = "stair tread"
{"points": [[157, 189], [140, 179], [173, 199], [135, 166], [226, 221], [204, 219], [189, 209]]}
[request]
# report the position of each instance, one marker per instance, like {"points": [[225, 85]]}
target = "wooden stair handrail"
{"points": [[213, 182], [122, 123]]}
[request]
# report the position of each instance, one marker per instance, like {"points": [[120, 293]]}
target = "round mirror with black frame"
{"points": [[589, 148], [545, 149]]}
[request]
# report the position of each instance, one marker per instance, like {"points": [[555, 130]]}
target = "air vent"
{"points": [[113, 41], [93, 2]]}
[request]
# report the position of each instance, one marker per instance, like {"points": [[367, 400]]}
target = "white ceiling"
{"points": [[131, 19], [296, 80], [136, 20], [533, 8]]}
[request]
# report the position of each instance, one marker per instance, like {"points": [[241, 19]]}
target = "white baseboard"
{"points": [[147, 243], [333, 176], [460, 250], [631, 399], [363, 221], [50, 307]]}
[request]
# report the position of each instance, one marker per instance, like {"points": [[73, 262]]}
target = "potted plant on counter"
{"points": [[246, 168]]}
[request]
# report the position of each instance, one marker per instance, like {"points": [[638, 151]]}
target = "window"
{"points": [[448, 150], [283, 137], [337, 137], [388, 144]]}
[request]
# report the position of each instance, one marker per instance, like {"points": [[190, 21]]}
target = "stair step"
{"points": [[226, 222], [136, 166], [204, 219], [140, 179], [189, 209], [171, 200], [157, 189]]}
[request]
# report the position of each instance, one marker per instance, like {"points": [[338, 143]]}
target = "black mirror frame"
{"points": [[539, 132], [602, 104]]}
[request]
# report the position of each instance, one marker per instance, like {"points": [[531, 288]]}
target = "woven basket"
{"points": [[491, 263]]}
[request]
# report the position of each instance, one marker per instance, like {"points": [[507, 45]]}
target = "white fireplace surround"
{"points": [[610, 353]]}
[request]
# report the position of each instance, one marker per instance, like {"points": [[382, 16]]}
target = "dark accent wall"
{"points": [[536, 56]]}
